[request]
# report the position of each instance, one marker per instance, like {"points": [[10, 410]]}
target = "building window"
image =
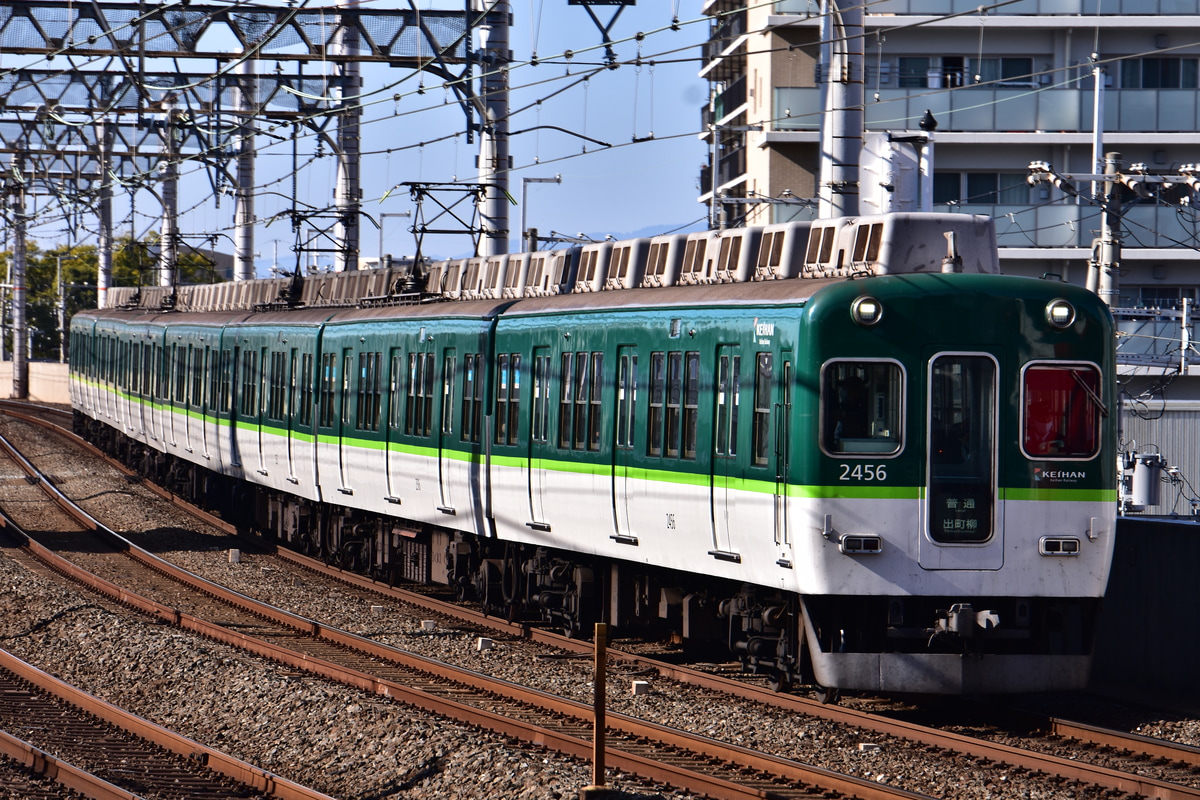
{"points": [[1159, 73], [980, 188]]}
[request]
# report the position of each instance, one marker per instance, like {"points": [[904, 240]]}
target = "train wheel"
{"points": [[828, 695], [779, 681]]}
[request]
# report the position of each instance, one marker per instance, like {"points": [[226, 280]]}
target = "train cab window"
{"points": [[862, 403], [1061, 411]]}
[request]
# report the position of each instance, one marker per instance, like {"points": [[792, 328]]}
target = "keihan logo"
{"points": [[1040, 474]]}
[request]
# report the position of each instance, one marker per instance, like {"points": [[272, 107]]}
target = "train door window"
{"points": [[674, 404], [1061, 411], [654, 419], [862, 404], [962, 402], [347, 373], [565, 406], [249, 383], [472, 397], [595, 405], [540, 426], [763, 383], [728, 374], [691, 401], [626, 398], [306, 390], [368, 391], [583, 383], [290, 399], [449, 370], [135, 367], [395, 389], [328, 390], [147, 370]]}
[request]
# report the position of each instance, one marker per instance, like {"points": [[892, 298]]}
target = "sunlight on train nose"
{"points": [[866, 311]]}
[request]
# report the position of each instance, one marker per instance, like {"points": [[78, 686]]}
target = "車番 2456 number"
{"points": [[863, 472]]}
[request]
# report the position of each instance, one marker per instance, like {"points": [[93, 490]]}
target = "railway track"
{"points": [[704, 766], [982, 751]]}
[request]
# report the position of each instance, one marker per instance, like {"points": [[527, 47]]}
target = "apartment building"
{"points": [[1007, 86], [1008, 83]]}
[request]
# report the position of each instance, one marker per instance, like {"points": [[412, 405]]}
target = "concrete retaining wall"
{"points": [[47, 382]]}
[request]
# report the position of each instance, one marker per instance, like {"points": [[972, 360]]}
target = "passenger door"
{"points": [[624, 436], [725, 466], [446, 431], [540, 444]]}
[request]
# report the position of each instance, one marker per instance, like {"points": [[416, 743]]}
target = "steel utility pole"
{"points": [[349, 192], [20, 373], [842, 122], [243, 257], [493, 140]]}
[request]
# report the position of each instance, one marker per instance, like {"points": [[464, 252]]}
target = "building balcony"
{"points": [[1062, 225], [1004, 110]]}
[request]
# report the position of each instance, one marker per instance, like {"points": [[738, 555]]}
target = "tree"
{"points": [[134, 264]]}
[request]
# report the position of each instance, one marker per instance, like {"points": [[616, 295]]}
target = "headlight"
{"points": [[866, 311], [1060, 313]]}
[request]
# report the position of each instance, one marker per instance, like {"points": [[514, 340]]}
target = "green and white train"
{"points": [[861, 464]]}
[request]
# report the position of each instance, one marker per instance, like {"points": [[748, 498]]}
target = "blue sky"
{"points": [[628, 188]]}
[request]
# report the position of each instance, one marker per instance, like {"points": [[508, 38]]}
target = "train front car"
{"points": [[956, 522]]}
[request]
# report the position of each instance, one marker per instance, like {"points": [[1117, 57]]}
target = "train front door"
{"points": [[964, 525]]}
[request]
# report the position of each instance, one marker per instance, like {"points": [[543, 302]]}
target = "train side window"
{"points": [[472, 396], [654, 419], [418, 420], [196, 365], [502, 393], [583, 383], [567, 383], [763, 379], [861, 407], [278, 385], [306, 388], [328, 389], [250, 382], [691, 401], [1061, 411], [595, 406], [674, 404], [368, 391]]}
